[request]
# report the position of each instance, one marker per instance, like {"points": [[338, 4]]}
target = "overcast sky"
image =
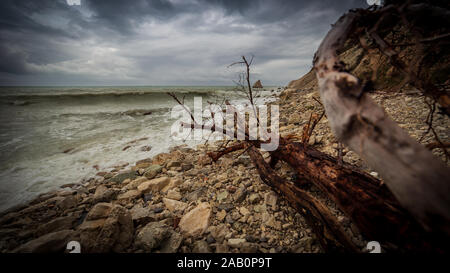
{"points": [[160, 42]]}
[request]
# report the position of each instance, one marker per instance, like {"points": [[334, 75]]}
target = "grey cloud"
{"points": [[159, 42]]}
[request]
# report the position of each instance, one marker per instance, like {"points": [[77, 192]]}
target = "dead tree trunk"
{"points": [[326, 227], [363, 198], [419, 181]]}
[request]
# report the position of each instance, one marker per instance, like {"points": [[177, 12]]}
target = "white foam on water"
{"points": [[92, 129]]}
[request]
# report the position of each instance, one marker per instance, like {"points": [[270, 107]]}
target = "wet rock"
{"points": [[196, 221], [103, 194], [152, 171], [58, 224], [5, 232], [100, 210], [41, 198], [152, 235], [122, 176], [52, 242], [144, 164], [68, 202], [108, 175], [19, 223], [106, 228]]}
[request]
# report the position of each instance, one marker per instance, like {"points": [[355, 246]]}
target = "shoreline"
{"points": [[49, 143], [180, 201], [177, 187]]}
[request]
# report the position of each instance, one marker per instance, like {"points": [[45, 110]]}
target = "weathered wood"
{"points": [[363, 198], [216, 155], [325, 226], [419, 181]]}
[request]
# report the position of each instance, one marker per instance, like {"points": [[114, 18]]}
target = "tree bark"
{"points": [[325, 226], [363, 198], [419, 181]]}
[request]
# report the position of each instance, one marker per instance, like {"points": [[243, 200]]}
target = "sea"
{"points": [[51, 136]]}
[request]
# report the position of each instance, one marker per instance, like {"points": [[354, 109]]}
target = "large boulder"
{"points": [[107, 228], [196, 221], [257, 84], [49, 243]]}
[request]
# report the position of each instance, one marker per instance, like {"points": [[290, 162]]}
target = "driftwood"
{"points": [[419, 181], [363, 198], [326, 227]]}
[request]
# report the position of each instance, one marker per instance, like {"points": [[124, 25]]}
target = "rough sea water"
{"points": [[50, 136]]}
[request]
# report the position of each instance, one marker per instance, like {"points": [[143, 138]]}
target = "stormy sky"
{"points": [[160, 42]]}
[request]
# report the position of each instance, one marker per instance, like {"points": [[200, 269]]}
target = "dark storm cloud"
{"points": [[159, 41]]}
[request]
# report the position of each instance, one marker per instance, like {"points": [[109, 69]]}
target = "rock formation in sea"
{"points": [[258, 84]]}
